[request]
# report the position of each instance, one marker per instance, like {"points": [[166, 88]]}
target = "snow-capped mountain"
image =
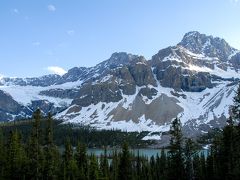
{"points": [[194, 80]]}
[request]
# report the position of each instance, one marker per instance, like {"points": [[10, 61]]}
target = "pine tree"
{"points": [[196, 167], [176, 169], [162, 167], [82, 161], [203, 173], [125, 170], [210, 166], [190, 150], [2, 154], [233, 131], [114, 165], [104, 165], [138, 167], [70, 165], [16, 158], [93, 168], [34, 147], [51, 152], [153, 169]]}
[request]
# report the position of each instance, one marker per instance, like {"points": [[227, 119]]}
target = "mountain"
{"points": [[194, 80]]}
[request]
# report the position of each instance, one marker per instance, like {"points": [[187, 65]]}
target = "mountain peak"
{"points": [[207, 45], [191, 34], [117, 59]]}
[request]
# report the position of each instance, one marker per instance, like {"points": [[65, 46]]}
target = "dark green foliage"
{"points": [[51, 153], [82, 161], [104, 166], [2, 154], [35, 153], [189, 151], [70, 168], [16, 158], [125, 169], [93, 168], [40, 158], [86, 135], [176, 166]]}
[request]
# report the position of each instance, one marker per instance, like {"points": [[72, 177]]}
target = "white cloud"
{"points": [[234, 1], [36, 43], [56, 70], [71, 32], [51, 8]]}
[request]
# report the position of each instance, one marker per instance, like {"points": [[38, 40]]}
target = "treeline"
{"points": [[40, 158], [86, 135]]}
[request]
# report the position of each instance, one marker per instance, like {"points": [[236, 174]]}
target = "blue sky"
{"points": [[38, 36]]}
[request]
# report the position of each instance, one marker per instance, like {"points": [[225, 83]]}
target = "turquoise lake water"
{"points": [[142, 152]]}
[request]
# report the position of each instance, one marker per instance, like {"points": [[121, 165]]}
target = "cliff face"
{"points": [[194, 80]]}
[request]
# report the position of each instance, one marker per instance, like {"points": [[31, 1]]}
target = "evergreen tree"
{"points": [[2, 154], [203, 173], [196, 165], [210, 166], [114, 165], [34, 147], [69, 164], [162, 165], [16, 158], [82, 161], [104, 165], [125, 170], [93, 168], [138, 167], [153, 169], [176, 169], [232, 131], [190, 150], [51, 152]]}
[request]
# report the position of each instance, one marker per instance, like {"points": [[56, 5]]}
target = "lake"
{"points": [[148, 152]]}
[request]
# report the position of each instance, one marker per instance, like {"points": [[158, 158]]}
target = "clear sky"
{"points": [[36, 36]]}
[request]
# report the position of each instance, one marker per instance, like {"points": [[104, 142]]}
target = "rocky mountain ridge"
{"points": [[194, 80]]}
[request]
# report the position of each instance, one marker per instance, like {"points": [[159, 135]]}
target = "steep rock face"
{"points": [[7, 104], [194, 80], [105, 92], [141, 72], [171, 66], [126, 81], [45, 107], [208, 45], [110, 86], [74, 74], [60, 93], [175, 77], [235, 61]]}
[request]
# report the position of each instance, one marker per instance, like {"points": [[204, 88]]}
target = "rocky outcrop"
{"points": [[93, 94], [194, 80], [235, 61], [142, 72], [61, 93], [208, 45], [161, 110], [7, 104]]}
